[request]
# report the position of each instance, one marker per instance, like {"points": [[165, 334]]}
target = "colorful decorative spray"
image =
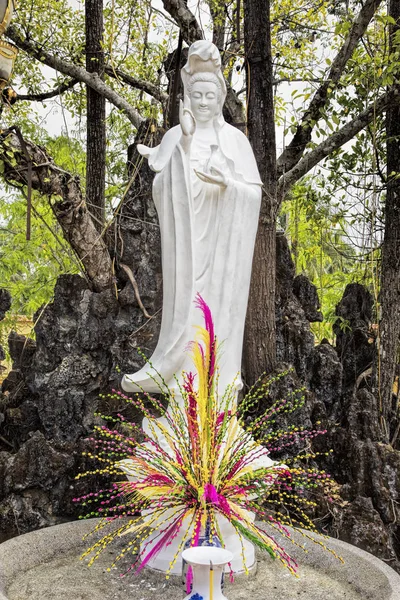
{"points": [[209, 467]]}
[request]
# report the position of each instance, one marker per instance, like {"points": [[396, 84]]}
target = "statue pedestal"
{"points": [[242, 550]]}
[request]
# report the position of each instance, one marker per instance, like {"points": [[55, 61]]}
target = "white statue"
{"points": [[207, 191]]}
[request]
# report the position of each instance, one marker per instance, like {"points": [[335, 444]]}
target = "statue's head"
{"points": [[204, 90], [203, 80]]}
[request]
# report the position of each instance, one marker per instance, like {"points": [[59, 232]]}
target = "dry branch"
{"points": [[185, 19], [336, 140], [135, 286], [57, 91], [74, 71], [294, 151], [139, 84]]}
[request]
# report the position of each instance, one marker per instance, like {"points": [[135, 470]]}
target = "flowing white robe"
{"points": [[207, 241]]}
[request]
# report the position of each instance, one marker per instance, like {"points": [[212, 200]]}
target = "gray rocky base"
{"points": [[45, 565]]}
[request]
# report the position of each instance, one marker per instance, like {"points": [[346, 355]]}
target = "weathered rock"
{"points": [[362, 415], [138, 247], [20, 421], [72, 363], [365, 502], [368, 473], [84, 339], [294, 340], [5, 302], [326, 380], [37, 484], [354, 338], [21, 349], [37, 464], [286, 384], [361, 525], [307, 294], [23, 513]]}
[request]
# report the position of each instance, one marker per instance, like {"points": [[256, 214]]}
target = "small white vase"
{"points": [[201, 558]]}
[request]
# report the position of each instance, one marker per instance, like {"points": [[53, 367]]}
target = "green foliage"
{"points": [[306, 35], [324, 247], [29, 269]]}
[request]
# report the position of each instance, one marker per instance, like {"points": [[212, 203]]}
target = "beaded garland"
{"points": [[207, 471]]}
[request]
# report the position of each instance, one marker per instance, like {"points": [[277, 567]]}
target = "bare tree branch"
{"points": [[294, 151], [74, 71], [185, 19], [135, 286], [57, 91], [139, 84], [66, 200], [300, 80], [336, 140]]}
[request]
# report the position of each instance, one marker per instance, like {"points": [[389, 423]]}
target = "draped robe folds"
{"points": [[207, 241]]}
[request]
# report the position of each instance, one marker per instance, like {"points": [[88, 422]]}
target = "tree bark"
{"points": [[260, 338], [389, 327], [96, 115], [218, 16], [185, 19], [175, 84]]}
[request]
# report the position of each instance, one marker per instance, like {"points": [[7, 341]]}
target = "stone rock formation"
{"points": [[5, 303], [83, 340]]}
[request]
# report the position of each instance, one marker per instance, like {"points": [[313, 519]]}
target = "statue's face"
{"points": [[204, 100]]}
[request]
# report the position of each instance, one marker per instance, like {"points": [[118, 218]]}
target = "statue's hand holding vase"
{"points": [[215, 176]]}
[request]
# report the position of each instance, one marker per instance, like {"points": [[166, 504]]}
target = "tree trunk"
{"points": [[96, 114], [175, 83], [260, 338], [389, 328]]}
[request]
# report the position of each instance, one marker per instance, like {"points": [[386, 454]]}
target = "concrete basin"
{"points": [[45, 565]]}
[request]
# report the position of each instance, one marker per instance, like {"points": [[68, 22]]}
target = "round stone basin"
{"points": [[45, 565]]}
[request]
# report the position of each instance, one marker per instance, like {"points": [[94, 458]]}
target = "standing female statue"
{"points": [[207, 191]]}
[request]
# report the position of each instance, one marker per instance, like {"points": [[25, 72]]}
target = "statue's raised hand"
{"points": [[186, 119]]}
